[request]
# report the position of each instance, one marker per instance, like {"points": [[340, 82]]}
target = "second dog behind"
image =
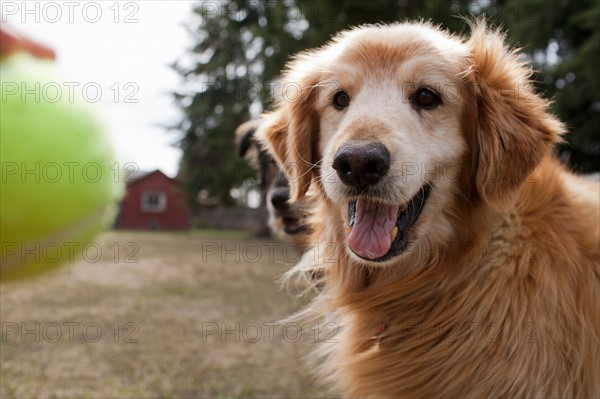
{"points": [[286, 221]]}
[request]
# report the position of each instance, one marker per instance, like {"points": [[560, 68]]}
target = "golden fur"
{"points": [[498, 291]]}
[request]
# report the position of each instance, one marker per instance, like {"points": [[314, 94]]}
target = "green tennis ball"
{"points": [[59, 184]]}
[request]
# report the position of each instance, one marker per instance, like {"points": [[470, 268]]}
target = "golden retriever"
{"points": [[456, 255]]}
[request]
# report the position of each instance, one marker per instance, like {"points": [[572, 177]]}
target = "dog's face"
{"points": [[390, 128], [404, 122], [285, 220]]}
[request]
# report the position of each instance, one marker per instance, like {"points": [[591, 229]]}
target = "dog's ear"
{"points": [[244, 136], [514, 129], [291, 132]]}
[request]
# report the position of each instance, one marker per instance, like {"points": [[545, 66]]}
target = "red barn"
{"points": [[153, 201]]}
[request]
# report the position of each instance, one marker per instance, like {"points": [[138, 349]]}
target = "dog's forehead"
{"points": [[388, 46]]}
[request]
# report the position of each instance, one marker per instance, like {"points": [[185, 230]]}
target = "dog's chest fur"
{"points": [[488, 319]]}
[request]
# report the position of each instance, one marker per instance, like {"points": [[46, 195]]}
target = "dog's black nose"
{"points": [[361, 163], [279, 199]]}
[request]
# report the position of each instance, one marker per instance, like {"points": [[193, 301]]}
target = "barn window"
{"points": [[154, 202]]}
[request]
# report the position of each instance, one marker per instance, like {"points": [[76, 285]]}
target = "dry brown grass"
{"points": [[168, 295]]}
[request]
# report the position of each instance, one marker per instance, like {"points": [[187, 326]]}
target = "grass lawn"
{"points": [[157, 315]]}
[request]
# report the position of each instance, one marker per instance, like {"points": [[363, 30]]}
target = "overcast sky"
{"points": [[124, 48]]}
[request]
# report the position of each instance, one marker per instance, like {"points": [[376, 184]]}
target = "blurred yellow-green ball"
{"points": [[59, 185]]}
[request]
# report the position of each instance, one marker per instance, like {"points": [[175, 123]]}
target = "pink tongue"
{"points": [[370, 235]]}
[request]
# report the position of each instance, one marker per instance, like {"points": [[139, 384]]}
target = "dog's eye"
{"points": [[426, 99], [341, 100]]}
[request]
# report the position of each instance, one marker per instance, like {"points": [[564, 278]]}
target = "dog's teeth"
{"points": [[393, 233]]}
